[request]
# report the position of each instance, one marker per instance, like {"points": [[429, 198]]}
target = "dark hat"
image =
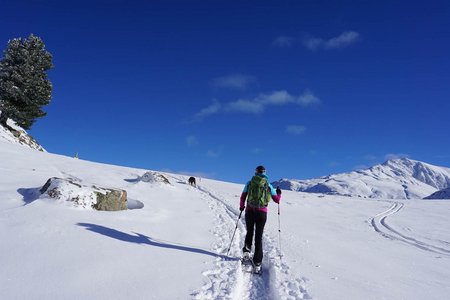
{"points": [[260, 169]]}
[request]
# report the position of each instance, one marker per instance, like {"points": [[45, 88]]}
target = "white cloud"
{"points": [[234, 81], [258, 104], [307, 98], [283, 41], [246, 106], [277, 98], [192, 140], [313, 43], [343, 40], [296, 129], [208, 111]]}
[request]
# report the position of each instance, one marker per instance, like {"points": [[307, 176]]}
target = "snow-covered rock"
{"points": [[441, 194], [75, 194], [395, 179], [154, 177], [18, 136]]}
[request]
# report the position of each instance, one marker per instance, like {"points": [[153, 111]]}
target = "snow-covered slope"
{"points": [[395, 179], [441, 194], [172, 242], [18, 136]]}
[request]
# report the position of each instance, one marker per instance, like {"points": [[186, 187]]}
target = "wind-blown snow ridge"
{"points": [[395, 179]]}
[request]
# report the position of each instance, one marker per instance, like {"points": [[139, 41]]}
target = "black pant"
{"points": [[252, 218]]}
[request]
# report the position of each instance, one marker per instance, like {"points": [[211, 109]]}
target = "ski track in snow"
{"points": [[379, 223], [227, 280]]}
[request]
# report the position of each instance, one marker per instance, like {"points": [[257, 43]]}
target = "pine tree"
{"points": [[24, 87]]}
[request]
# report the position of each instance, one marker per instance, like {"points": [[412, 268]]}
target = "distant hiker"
{"points": [[191, 181], [258, 192]]}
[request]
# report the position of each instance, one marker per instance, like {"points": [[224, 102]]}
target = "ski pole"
{"points": [[279, 229], [234, 232]]}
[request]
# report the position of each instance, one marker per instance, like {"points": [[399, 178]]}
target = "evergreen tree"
{"points": [[24, 87]]}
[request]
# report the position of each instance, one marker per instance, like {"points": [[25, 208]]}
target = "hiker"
{"points": [[258, 192], [191, 181]]}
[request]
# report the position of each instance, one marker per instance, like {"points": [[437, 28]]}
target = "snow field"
{"points": [[172, 243]]}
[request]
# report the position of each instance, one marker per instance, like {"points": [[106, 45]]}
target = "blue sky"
{"points": [[215, 88]]}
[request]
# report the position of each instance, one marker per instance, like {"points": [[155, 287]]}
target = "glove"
{"points": [[242, 208], [278, 190]]}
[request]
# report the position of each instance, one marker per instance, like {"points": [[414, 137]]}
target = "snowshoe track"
{"points": [[227, 280]]}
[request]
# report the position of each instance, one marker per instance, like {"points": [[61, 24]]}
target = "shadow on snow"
{"points": [[29, 194], [133, 180], [143, 239]]}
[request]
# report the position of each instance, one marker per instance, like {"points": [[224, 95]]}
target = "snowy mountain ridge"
{"points": [[401, 178]]}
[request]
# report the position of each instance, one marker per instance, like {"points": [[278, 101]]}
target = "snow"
{"points": [[67, 193], [21, 137], [395, 179], [441, 194], [172, 242]]}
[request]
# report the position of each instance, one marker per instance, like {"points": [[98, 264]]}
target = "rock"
{"points": [[111, 201], [17, 135], [154, 177], [75, 194]]}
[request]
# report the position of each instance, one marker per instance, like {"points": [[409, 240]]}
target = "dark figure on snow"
{"points": [[191, 181], [258, 192]]}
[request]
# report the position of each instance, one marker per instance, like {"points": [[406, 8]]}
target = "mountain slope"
{"points": [[441, 194], [395, 179], [173, 245]]}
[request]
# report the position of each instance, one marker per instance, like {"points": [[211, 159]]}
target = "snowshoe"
{"points": [[245, 256], [257, 269], [247, 262]]}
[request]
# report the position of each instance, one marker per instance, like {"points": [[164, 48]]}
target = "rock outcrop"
{"points": [[17, 135], [75, 194], [154, 177]]}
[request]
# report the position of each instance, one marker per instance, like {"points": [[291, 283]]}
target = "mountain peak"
{"points": [[401, 161], [400, 178]]}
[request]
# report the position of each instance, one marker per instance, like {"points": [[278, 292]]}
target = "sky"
{"points": [[216, 88]]}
